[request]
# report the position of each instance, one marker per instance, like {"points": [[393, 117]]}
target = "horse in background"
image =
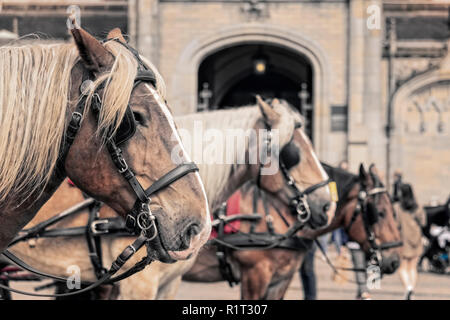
{"points": [[366, 213], [266, 274]]}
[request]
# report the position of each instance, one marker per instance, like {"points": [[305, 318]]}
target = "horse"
{"points": [[94, 112], [366, 213], [266, 274], [160, 280]]}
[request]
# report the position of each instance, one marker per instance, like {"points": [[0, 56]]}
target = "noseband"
{"points": [[375, 250]]}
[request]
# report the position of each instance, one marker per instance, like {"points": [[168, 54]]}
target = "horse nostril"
{"points": [[326, 207], [191, 231]]}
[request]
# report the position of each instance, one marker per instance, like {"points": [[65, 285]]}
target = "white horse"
{"points": [[159, 280]]}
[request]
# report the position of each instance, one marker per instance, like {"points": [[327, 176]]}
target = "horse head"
{"points": [[121, 153], [301, 182], [377, 231]]}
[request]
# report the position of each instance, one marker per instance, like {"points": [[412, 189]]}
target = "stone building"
{"points": [[371, 76]]}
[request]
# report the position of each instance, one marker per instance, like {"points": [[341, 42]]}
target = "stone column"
{"points": [[374, 117], [147, 28], [132, 22], [357, 135]]}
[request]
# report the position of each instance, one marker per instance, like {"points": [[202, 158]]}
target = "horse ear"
{"points": [[93, 54], [374, 171], [116, 34], [270, 115], [362, 172]]}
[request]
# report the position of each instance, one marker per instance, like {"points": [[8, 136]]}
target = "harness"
{"points": [[267, 240], [140, 221]]}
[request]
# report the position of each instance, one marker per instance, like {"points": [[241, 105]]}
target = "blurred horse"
{"points": [[266, 274]]}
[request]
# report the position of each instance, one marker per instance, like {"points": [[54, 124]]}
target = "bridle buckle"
{"points": [[94, 225]]}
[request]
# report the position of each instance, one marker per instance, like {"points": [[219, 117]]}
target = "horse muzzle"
{"points": [[389, 264]]}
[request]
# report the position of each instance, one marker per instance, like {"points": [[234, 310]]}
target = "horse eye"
{"points": [[139, 118], [290, 155]]}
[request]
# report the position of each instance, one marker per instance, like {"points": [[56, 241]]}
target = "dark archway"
{"points": [[233, 80]]}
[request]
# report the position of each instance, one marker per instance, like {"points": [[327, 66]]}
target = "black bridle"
{"points": [[298, 203], [140, 220], [362, 208]]}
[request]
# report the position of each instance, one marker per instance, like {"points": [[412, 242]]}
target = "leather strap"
{"points": [[170, 177], [94, 243]]}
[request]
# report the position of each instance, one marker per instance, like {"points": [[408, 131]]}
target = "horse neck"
{"points": [[339, 220], [220, 179]]}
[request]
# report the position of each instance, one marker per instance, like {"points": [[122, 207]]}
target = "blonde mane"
{"points": [[34, 94], [216, 176]]}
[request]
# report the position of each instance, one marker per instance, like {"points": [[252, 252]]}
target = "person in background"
{"points": [[412, 218], [308, 276]]}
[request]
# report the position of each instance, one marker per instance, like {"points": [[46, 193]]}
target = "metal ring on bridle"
{"points": [[123, 169], [155, 233], [86, 86], [303, 212], [362, 195], [145, 220]]}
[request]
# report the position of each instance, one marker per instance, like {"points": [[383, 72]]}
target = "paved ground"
{"points": [[430, 286]]}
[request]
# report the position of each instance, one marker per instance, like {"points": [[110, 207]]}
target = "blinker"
{"points": [[333, 191]]}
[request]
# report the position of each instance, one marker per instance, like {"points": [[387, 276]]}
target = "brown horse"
{"points": [[266, 274], [161, 280], [46, 91]]}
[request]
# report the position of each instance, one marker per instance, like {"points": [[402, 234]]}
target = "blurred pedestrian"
{"points": [[412, 218]]}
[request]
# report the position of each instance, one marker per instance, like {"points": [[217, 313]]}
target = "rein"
{"points": [[140, 220]]}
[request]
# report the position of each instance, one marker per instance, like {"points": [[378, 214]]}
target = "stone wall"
{"points": [[320, 27]]}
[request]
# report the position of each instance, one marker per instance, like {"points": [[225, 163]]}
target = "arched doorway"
{"points": [[233, 76], [183, 91]]}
